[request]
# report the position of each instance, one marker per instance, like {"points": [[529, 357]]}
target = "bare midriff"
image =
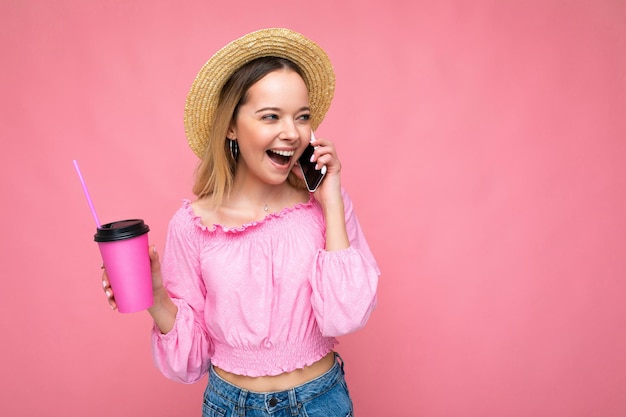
{"points": [[280, 382]]}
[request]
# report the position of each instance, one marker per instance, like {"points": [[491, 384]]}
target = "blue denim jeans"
{"points": [[325, 396]]}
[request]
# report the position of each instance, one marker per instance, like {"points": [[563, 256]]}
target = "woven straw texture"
{"points": [[203, 96]]}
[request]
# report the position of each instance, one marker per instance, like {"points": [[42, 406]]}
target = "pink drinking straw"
{"points": [[82, 181]]}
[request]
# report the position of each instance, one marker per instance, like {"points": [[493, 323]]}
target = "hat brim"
{"points": [[203, 96]]}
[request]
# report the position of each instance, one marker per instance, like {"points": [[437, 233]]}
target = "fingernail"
{"points": [[312, 157], [104, 284], [108, 293], [101, 266], [154, 248], [324, 170], [112, 307]]}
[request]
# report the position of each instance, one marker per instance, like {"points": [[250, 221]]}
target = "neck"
{"points": [[252, 194]]}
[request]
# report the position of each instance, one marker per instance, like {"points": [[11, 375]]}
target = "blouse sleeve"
{"points": [[344, 282], [183, 354]]}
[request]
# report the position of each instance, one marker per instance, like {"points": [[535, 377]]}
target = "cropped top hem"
{"points": [[275, 360]]}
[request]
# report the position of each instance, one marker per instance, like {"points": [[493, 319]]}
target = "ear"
{"points": [[231, 133]]}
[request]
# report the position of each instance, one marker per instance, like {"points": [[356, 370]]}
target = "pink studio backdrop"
{"points": [[483, 142]]}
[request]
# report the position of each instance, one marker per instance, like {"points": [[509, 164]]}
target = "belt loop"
{"points": [[293, 402], [241, 404], [339, 359]]}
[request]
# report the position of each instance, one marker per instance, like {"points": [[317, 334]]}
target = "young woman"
{"points": [[259, 275]]}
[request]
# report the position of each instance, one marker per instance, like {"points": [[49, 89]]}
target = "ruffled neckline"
{"points": [[197, 220]]}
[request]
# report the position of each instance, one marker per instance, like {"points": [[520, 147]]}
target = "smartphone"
{"points": [[312, 177]]}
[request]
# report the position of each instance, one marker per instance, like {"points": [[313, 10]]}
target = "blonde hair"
{"points": [[216, 171]]}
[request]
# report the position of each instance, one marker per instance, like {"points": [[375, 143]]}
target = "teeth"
{"points": [[283, 153]]}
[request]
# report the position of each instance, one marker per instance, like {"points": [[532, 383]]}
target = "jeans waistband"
{"points": [[263, 400]]}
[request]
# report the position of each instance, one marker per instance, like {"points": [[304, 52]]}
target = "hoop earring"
{"points": [[234, 149]]}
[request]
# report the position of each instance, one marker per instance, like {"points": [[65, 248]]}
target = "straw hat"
{"points": [[203, 97]]}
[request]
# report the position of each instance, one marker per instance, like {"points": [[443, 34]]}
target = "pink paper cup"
{"points": [[124, 249]]}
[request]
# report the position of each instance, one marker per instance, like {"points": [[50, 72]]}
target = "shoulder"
{"points": [[203, 209], [185, 218]]}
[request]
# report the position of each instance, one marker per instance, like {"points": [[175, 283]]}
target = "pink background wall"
{"points": [[484, 143]]}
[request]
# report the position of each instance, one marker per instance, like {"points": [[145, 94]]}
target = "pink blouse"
{"points": [[264, 298]]}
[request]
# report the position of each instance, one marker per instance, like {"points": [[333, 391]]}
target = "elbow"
{"points": [[181, 374], [344, 324], [186, 378]]}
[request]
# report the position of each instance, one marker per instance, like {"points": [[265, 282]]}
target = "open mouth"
{"points": [[280, 157]]}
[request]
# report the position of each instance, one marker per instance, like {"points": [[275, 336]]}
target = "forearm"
{"points": [[336, 234], [163, 311]]}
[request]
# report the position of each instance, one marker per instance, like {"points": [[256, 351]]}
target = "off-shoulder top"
{"points": [[264, 298]]}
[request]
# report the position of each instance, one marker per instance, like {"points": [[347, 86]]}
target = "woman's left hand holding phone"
{"points": [[329, 194], [325, 157]]}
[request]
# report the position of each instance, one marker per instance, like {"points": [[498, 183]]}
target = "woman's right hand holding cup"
{"points": [[163, 310], [108, 291], [157, 281]]}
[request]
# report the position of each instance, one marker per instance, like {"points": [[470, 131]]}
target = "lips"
{"points": [[280, 157]]}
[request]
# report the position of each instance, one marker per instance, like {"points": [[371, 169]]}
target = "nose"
{"points": [[289, 131]]}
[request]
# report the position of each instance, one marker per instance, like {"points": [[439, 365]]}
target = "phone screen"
{"points": [[312, 177]]}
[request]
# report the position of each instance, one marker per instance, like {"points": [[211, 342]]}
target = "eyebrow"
{"points": [[277, 109]]}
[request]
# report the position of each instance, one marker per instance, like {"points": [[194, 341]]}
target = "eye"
{"points": [[270, 116], [304, 117]]}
